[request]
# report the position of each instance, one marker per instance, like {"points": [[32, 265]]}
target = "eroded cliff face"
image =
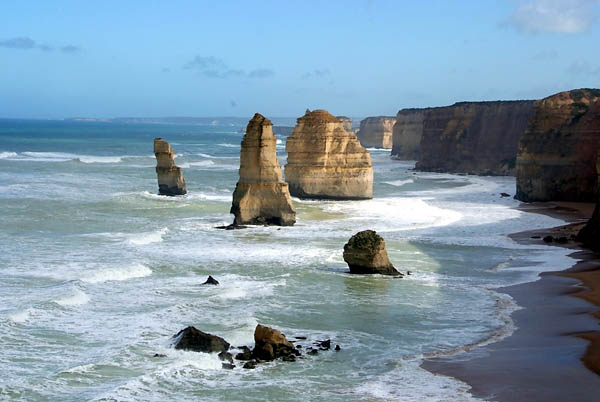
{"points": [[346, 122], [261, 196], [556, 159], [473, 137], [407, 133], [170, 176], [376, 132], [589, 235], [325, 161]]}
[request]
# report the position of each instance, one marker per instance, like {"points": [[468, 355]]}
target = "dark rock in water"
{"points": [[408, 273], [270, 344], [548, 239], [233, 226], [312, 351], [228, 366], [504, 195], [337, 348], [561, 240], [365, 253], [211, 281], [536, 237], [325, 344], [250, 365], [302, 338], [290, 358], [246, 354], [299, 346], [226, 356], [159, 355], [191, 338]]}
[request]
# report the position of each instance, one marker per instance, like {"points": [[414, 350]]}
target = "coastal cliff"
{"points": [[325, 161], [261, 196], [407, 133], [170, 176], [346, 122], [556, 158], [376, 132], [473, 137]]}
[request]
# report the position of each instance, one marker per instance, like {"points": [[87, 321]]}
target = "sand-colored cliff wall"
{"points": [[473, 137], [261, 196], [557, 154], [325, 161], [407, 133], [376, 132]]}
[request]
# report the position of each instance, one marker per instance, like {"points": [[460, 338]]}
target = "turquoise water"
{"points": [[98, 272]]}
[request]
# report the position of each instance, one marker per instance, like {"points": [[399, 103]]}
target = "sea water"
{"points": [[98, 272]]}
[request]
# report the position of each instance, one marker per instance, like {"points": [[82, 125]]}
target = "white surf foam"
{"points": [[21, 317], [229, 145], [119, 274], [399, 183], [141, 239], [200, 163], [4, 155], [76, 298], [99, 159]]}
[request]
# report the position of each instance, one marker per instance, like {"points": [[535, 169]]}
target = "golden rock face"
{"points": [[327, 162], [261, 196], [170, 176], [376, 132], [556, 159]]}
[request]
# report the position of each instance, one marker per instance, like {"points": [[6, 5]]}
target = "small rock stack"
{"points": [[170, 176]]}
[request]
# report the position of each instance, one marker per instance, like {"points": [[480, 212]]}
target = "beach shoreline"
{"points": [[554, 354]]}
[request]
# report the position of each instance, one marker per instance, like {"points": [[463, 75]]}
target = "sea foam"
{"points": [[118, 274]]}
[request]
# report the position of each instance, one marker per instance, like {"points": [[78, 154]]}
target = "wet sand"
{"points": [[549, 357]]}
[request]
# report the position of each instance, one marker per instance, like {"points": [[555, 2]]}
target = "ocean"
{"points": [[98, 272]]}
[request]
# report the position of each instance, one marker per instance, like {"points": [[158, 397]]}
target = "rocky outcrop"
{"points": [[346, 122], [407, 133], [473, 137], [327, 162], [271, 344], [261, 196], [170, 177], [191, 338], [365, 253], [376, 132], [556, 159]]}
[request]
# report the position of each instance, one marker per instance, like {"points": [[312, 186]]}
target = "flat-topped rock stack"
{"points": [[170, 176], [346, 122], [556, 158], [327, 162], [261, 196], [407, 133], [376, 132]]}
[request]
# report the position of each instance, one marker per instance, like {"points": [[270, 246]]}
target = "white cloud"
{"points": [[559, 16]]}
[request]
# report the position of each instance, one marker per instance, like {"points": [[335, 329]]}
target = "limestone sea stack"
{"points": [[327, 162], [365, 253], [407, 133], [170, 176], [261, 196], [376, 132], [556, 159], [473, 137], [346, 122]]}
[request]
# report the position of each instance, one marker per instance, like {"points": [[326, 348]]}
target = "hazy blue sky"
{"points": [[358, 58]]}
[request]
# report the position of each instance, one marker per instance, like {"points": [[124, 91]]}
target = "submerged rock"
{"points": [[376, 132], [170, 176], [261, 196], [365, 253], [327, 162], [211, 281], [191, 338], [271, 344]]}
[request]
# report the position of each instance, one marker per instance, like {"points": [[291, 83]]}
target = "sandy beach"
{"points": [[557, 339]]}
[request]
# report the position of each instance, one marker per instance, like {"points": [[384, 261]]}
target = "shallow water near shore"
{"points": [[99, 272]]}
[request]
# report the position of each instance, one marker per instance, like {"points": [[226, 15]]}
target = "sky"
{"points": [[234, 58]]}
